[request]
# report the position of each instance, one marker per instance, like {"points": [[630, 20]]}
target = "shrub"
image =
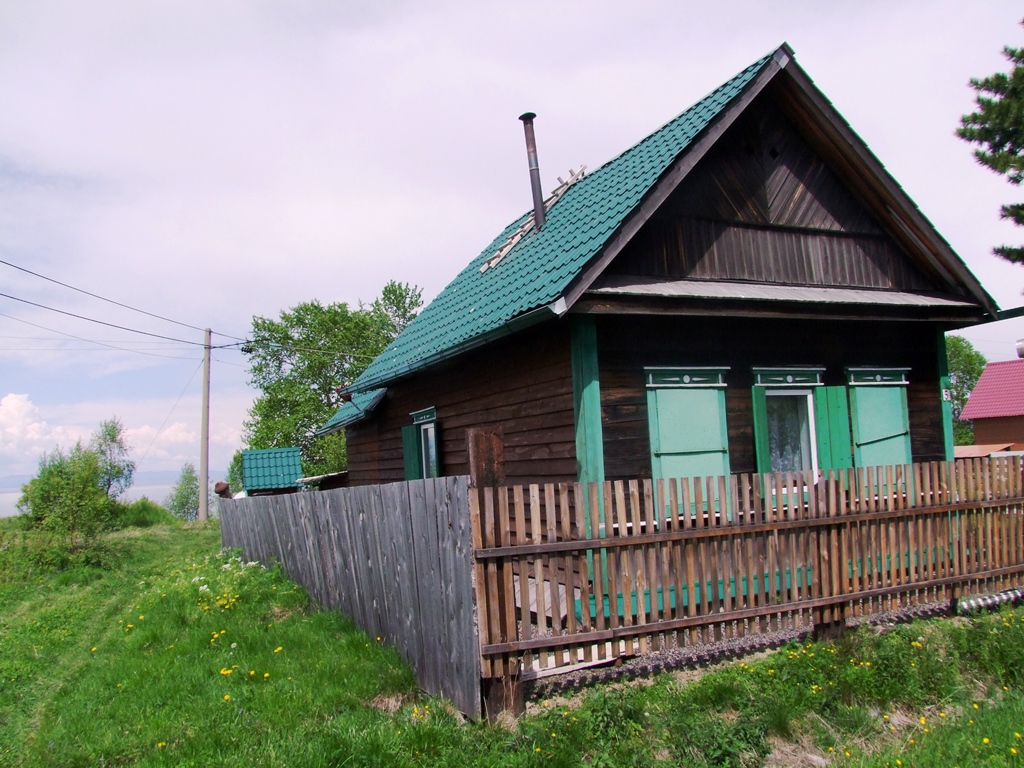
{"points": [[65, 498], [184, 499]]}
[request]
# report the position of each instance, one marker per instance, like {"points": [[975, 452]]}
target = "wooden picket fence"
{"points": [[573, 574]]}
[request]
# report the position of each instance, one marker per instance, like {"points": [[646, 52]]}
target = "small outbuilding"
{"points": [[996, 406], [271, 471]]}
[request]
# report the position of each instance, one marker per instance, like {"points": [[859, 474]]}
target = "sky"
{"points": [[210, 162]]}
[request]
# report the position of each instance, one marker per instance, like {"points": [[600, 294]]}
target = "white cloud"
{"points": [[25, 434]]}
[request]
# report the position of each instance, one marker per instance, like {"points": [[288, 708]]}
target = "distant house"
{"points": [[745, 289], [271, 471], [996, 406]]}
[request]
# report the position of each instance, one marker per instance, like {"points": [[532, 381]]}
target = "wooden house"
{"points": [[745, 289], [996, 406]]}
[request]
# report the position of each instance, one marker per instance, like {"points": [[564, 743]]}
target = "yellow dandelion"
{"points": [[94, 649], [985, 740], [1013, 750], [161, 744], [141, 618], [227, 697], [278, 649], [252, 671], [976, 705]]}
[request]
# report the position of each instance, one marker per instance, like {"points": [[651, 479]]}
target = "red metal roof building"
{"points": [[996, 406]]}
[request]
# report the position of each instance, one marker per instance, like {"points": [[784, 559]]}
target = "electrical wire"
{"points": [[111, 301], [168, 416], [93, 341], [111, 325]]}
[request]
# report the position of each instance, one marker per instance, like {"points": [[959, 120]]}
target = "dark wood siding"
{"points": [[627, 344], [1009, 429], [522, 384], [764, 206]]}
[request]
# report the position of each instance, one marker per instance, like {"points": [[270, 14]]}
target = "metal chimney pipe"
{"points": [[531, 155]]}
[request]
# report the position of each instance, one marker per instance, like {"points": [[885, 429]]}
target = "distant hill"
{"points": [[13, 483]]}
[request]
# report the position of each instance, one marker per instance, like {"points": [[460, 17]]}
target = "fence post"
{"points": [[485, 449]]}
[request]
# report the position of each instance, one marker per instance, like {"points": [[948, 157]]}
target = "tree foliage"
{"points": [[183, 501], [66, 497], [998, 127], [116, 467], [234, 479], [965, 368], [298, 360]]}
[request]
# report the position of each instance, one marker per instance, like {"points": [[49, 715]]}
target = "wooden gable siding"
{"points": [[522, 384], [627, 344], [763, 206]]}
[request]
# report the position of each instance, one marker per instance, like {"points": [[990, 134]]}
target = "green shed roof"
{"points": [[357, 409], [476, 306], [271, 468]]}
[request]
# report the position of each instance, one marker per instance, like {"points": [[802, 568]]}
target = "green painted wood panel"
{"points": [[586, 399], [761, 447], [689, 437], [411, 457], [944, 389], [881, 429], [832, 428]]}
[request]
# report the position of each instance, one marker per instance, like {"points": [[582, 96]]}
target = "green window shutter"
{"points": [[411, 455], [689, 437], [832, 428], [881, 428], [762, 449]]}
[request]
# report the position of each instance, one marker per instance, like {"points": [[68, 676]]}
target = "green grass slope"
{"points": [[175, 654]]}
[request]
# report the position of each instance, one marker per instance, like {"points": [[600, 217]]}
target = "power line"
{"points": [[93, 341], [102, 322], [111, 301], [168, 416]]}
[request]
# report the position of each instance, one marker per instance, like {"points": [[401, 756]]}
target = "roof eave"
{"points": [[555, 308]]}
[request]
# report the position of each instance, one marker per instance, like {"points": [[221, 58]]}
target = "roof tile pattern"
{"points": [[357, 409], [271, 468], [999, 392], [541, 266]]}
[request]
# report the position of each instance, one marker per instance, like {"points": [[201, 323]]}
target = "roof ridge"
{"points": [[476, 305]]}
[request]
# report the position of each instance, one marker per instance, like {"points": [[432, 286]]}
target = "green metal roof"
{"points": [[271, 468], [477, 305], [355, 410]]}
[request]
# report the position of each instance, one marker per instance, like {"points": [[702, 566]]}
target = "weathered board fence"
{"points": [[395, 558], [569, 574], [479, 587]]}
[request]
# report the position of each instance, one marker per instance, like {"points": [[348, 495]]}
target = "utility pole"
{"points": [[204, 438]]}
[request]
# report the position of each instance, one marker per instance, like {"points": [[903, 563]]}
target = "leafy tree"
{"points": [[183, 501], [298, 361], [965, 367], [66, 498], [998, 126], [116, 468], [235, 473]]}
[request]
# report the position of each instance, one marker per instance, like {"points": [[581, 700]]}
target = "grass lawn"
{"points": [[173, 654]]}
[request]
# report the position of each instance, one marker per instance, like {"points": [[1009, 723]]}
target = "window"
{"points": [[686, 417], [419, 446], [791, 443], [788, 410], [878, 413]]}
